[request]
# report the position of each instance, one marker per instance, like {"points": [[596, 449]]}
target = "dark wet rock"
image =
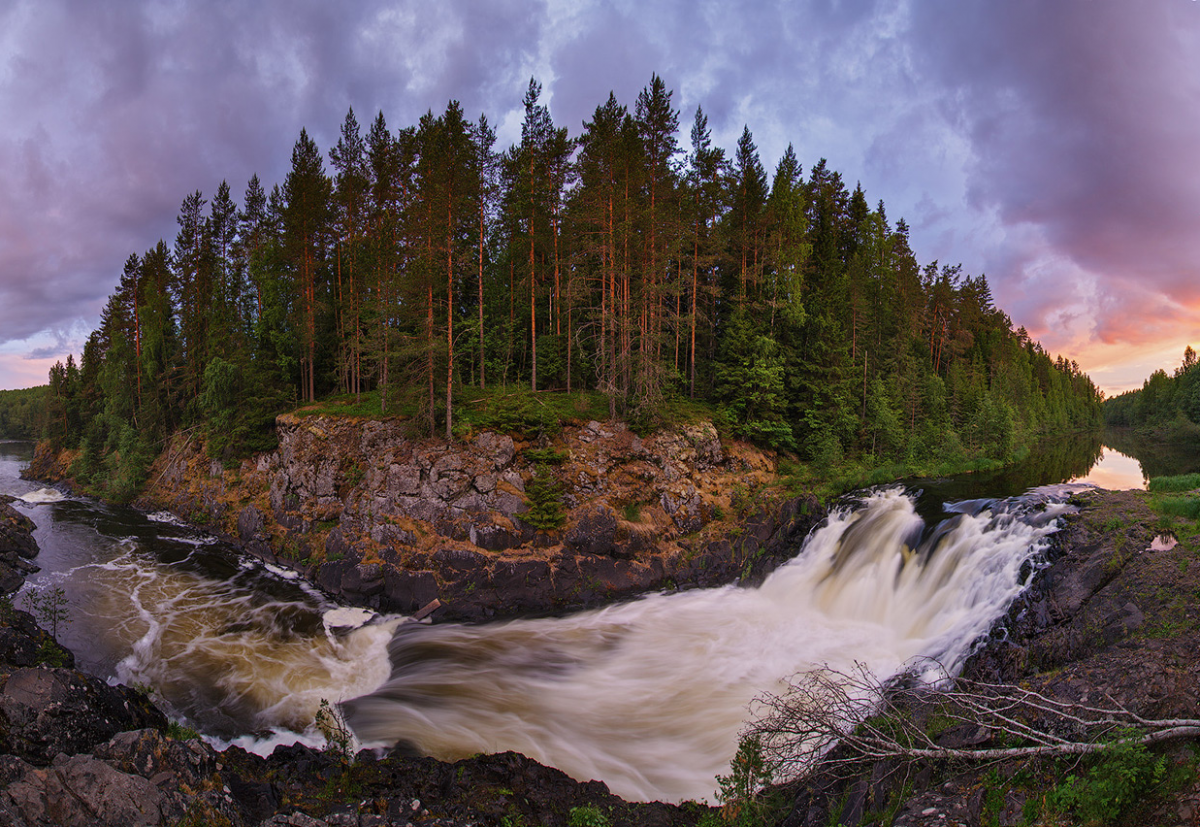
{"points": [[249, 523], [45, 711], [16, 530], [406, 591], [461, 559], [23, 643], [151, 754], [109, 790], [594, 532], [17, 547], [81, 790], [493, 536]]}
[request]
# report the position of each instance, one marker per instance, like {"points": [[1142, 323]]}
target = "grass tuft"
{"points": [[1179, 482]]}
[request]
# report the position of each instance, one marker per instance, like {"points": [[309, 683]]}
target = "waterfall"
{"points": [[649, 696]]}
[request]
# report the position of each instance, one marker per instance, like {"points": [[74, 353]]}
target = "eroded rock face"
{"points": [[391, 523], [17, 547]]}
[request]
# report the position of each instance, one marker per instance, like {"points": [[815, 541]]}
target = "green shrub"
{"points": [[1188, 507], [339, 742], [740, 793], [1122, 775], [544, 494], [180, 732], [546, 456], [589, 815]]}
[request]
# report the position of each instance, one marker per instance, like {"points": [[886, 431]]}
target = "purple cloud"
{"points": [[1046, 144]]}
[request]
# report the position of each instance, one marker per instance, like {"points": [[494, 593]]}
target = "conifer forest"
{"points": [[635, 261]]}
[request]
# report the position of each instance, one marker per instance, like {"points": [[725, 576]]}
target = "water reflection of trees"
{"points": [[1054, 460], [1158, 457], [1063, 458]]}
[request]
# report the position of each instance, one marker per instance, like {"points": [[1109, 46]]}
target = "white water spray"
{"points": [[650, 696], [226, 658], [41, 496]]}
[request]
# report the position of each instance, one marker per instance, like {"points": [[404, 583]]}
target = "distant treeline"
{"points": [[1171, 402], [23, 413], [422, 260]]}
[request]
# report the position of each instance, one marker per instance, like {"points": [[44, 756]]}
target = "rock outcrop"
{"points": [[17, 547], [393, 523]]}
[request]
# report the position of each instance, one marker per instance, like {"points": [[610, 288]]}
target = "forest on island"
{"points": [[411, 267], [1168, 404]]}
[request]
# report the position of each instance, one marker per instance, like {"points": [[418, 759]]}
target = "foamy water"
{"points": [[223, 657], [647, 696], [650, 696], [41, 496]]}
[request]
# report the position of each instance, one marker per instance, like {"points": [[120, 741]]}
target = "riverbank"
{"points": [[496, 526], [1113, 622], [76, 751], [1110, 618]]}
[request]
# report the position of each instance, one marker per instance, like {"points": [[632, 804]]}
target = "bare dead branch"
{"points": [[840, 721]]}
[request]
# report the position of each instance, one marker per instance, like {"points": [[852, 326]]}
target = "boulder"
{"points": [[17, 547], [47, 711], [149, 753], [496, 448], [16, 530], [84, 791]]}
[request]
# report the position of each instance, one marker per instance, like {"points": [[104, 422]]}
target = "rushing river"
{"points": [[648, 696]]}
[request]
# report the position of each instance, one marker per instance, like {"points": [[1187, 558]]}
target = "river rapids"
{"points": [[648, 696]]}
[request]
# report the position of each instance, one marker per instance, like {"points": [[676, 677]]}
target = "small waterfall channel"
{"points": [[648, 696]]}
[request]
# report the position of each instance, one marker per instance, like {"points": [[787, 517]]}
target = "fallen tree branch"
{"points": [[839, 722]]}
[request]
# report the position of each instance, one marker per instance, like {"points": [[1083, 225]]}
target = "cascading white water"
{"points": [[225, 652], [650, 696]]}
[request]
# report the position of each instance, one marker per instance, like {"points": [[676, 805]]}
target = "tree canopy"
{"points": [[410, 263]]}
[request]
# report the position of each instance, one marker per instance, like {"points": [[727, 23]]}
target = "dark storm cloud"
{"points": [[115, 111], [1049, 145]]}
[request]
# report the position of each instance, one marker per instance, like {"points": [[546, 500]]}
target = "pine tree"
{"points": [[194, 289], [705, 179], [306, 213], [349, 159]]}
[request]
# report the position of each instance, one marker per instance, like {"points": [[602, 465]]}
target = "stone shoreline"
{"points": [[1108, 618], [386, 522], [75, 751]]}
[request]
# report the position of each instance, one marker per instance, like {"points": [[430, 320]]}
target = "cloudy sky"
{"points": [[1049, 145]]}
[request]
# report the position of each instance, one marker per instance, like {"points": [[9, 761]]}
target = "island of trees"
{"points": [[413, 267]]}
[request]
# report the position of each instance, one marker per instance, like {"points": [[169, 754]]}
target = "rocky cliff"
{"points": [[394, 523], [1114, 618]]}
